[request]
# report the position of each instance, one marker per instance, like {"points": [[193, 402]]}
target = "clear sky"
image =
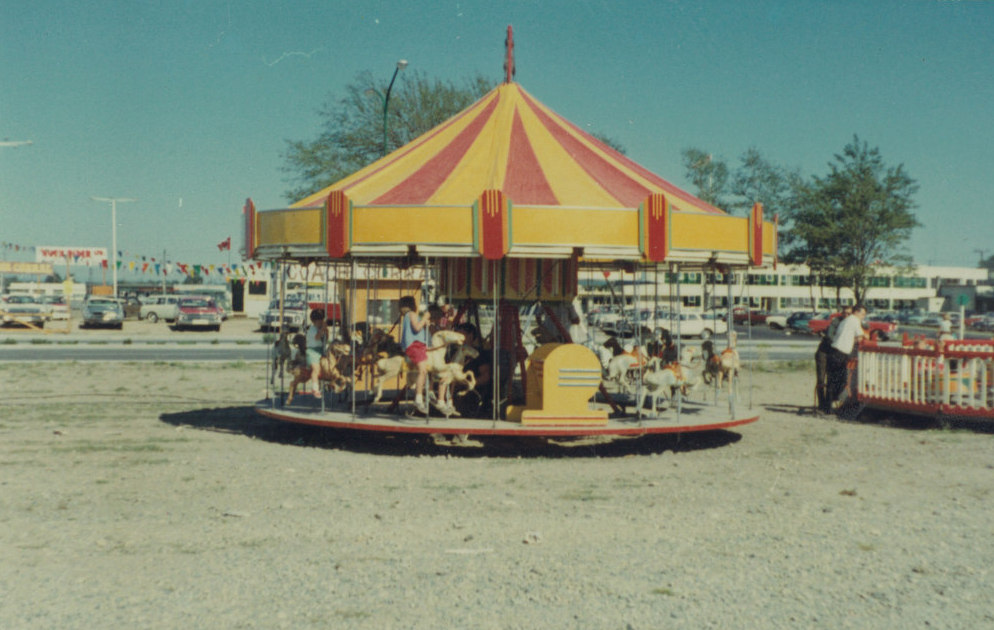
{"points": [[187, 104]]}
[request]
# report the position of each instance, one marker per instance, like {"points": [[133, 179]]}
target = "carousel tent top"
{"points": [[508, 177], [510, 142]]}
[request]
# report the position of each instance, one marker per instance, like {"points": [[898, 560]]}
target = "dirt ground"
{"points": [[151, 496]]}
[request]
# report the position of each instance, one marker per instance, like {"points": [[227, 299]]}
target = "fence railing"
{"points": [[953, 377]]}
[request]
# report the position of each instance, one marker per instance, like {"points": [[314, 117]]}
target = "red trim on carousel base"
{"points": [[480, 426]]}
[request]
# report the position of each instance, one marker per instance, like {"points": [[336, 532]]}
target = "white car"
{"points": [[24, 309], [60, 310], [694, 325], [294, 315], [608, 321], [156, 307], [777, 320]]}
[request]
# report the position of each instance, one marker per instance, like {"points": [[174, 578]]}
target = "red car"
{"points": [[879, 330], [739, 316], [198, 311]]}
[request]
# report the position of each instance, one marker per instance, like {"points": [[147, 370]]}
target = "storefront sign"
{"points": [[7, 266], [74, 255]]}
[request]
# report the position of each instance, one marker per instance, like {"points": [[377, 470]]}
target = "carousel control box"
{"points": [[561, 380]]}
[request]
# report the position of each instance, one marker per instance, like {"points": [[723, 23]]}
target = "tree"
{"points": [[755, 180], [352, 127], [611, 142], [708, 175], [776, 187], [855, 219]]}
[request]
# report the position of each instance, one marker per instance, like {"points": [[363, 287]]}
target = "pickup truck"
{"points": [[879, 330]]}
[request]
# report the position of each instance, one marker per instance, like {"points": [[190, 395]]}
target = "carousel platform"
{"points": [[692, 417]]}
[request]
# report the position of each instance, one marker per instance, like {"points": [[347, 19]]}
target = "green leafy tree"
{"points": [[756, 179], [352, 127], [855, 219], [709, 176], [776, 187], [611, 142]]}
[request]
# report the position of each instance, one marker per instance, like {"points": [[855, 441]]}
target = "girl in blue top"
{"points": [[414, 341], [317, 336]]}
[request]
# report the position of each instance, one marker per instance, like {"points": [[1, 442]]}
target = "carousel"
{"points": [[489, 220]]}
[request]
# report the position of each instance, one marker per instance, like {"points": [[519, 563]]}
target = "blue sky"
{"points": [[187, 104]]}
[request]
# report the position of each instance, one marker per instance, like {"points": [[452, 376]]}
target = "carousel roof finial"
{"points": [[509, 61]]}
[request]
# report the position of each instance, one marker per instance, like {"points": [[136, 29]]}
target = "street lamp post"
{"points": [[401, 64], [113, 231]]}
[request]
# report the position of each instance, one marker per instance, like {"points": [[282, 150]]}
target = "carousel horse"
{"points": [[447, 374], [620, 367], [724, 366], [661, 381], [331, 371]]}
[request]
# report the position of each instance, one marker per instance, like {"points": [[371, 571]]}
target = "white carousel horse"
{"points": [[660, 381], [446, 373]]}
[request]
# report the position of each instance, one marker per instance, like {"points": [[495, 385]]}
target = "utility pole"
{"points": [[113, 201]]}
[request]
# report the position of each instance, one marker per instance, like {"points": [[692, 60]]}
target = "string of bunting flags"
{"points": [[138, 263]]}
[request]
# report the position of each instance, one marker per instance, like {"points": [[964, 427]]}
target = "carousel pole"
{"points": [[427, 392], [679, 338], [637, 340], [731, 322], [354, 349], [282, 272], [494, 358], [324, 306]]}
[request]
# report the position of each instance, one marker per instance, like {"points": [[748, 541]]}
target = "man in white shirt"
{"points": [[850, 331], [821, 360], [843, 347]]}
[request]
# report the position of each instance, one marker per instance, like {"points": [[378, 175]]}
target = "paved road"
{"points": [[768, 349], [227, 352], [240, 341]]}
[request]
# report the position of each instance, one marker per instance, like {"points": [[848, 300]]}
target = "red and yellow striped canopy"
{"points": [[510, 142], [508, 177]]}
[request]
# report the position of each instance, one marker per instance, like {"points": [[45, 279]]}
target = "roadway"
{"points": [[240, 340]]}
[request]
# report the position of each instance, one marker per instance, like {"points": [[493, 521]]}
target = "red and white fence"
{"points": [[952, 378]]}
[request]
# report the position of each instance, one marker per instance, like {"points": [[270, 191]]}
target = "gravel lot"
{"points": [[150, 496]]}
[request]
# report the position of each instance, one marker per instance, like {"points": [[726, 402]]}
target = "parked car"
{"points": [[60, 310], [753, 316], [695, 325], [988, 322], [798, 321], [972, 321], [624, 326], [777, 320], [198, 311], [914, 319], [294, 315], [881, 331], [156, 307], [103, 311], [25, 309]]}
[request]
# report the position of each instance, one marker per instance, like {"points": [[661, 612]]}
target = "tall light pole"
{"points": [[401, 64], [113, 231]]}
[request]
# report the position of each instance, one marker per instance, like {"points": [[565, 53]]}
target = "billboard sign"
{"points": [[74, 255], [38, 269]]}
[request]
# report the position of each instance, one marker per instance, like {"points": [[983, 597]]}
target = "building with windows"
{"points": [[789, 288]]}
